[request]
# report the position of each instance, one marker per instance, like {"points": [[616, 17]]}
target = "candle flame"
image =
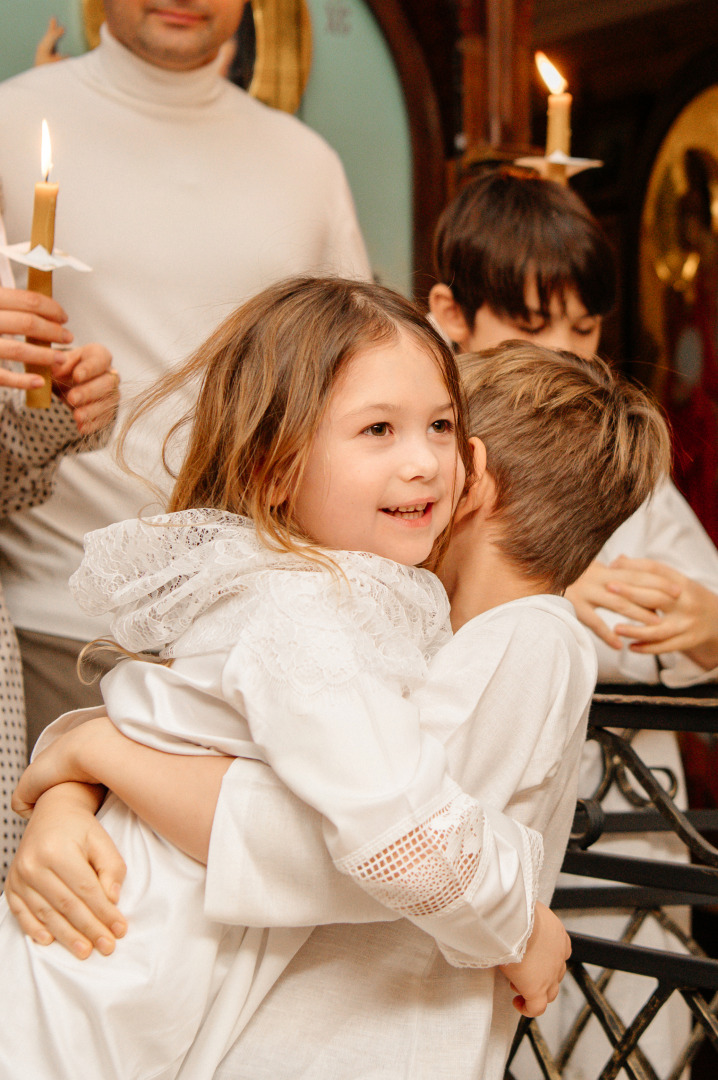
{"points": [[46, 157], [551, 76]]}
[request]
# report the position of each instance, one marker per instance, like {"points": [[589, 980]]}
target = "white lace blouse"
{"points": [[278, 658]]}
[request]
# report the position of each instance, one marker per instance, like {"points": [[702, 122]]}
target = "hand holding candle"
{"points": [[43, 233], [558, 129]]}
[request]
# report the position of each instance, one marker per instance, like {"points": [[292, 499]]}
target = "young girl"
{"points": [[328, 416]]}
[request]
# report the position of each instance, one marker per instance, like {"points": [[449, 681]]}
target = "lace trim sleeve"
{"points": [[429, 870], [452, 874]]}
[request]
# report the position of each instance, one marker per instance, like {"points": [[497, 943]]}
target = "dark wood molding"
{"points": [[427, 135]]}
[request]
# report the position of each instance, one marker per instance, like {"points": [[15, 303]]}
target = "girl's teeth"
{"points": [[408, 511]]}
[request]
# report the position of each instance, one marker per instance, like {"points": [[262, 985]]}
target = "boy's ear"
{"points": [[482, 488], [479, 455], [448, 315]]}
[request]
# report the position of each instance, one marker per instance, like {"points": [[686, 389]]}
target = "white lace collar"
{"points": [[158, 577]]}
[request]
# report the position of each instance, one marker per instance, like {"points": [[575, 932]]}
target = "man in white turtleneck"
{"points": [[186, 197]]}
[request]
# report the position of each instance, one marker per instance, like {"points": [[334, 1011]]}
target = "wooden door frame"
{"points": [[427, 138]]}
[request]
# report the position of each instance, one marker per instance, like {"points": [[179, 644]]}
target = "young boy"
{"points": [[508, 695], [521, 257]]}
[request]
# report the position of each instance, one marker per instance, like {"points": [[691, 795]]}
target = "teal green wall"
{"points": [[354, 99], [22, 24]]}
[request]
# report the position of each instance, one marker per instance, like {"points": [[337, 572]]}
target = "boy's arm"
{"points": [[168, 791], [65, 880], [537, 976]]}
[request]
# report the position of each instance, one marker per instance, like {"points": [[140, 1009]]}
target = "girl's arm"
{"points": [[395, 822], [67, 872], [168, 791]]}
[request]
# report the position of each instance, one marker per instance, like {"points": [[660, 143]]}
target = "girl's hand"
{"points": [[676, 613], [89, 385], [536, 978], [65, 880], [68, 758]]}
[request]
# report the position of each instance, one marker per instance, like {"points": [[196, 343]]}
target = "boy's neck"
{"points": [[478, 576]]}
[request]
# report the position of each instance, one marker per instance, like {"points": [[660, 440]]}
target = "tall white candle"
{"points": [[558, 127], [40, 281]]}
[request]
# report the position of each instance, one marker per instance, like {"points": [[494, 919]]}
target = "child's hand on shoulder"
{"points": [[536, 978]]}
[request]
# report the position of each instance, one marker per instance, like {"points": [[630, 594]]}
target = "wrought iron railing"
{"points": [[645, 886]]}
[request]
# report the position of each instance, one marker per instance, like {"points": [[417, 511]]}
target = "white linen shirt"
{"points": [[509, 696]]}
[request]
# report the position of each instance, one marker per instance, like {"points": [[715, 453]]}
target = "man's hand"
{"points": [[65, 880], [536, 978]]}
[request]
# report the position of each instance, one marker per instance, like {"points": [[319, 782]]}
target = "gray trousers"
{"points": [[52, 685]]}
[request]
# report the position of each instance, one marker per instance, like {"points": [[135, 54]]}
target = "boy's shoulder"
{"points": [[527, 668], [539, 615], [534, 638]]}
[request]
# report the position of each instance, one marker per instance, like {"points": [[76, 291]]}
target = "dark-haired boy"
{"points": [[517, 256]]}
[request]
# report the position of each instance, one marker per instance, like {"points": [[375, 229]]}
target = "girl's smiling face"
{"points": [[383, 474]]}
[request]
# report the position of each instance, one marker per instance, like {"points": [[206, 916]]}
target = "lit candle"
{"points": [[40, 281], [558, 130]]}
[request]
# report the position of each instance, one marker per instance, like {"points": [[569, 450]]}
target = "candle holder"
{"points": [[559, 166]]}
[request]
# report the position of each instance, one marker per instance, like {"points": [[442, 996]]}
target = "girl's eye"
{"points": [[443, 427], [585, 331], [378, 429]]}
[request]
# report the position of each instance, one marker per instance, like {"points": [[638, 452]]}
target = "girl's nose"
{"points": [[420, 461]]}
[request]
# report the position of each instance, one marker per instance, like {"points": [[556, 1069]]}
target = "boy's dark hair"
{"points": [[572, 448], [509, 222]]}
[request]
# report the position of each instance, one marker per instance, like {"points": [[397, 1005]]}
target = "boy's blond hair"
{"points": [[573, 450]]}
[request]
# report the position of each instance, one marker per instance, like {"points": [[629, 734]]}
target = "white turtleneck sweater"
{"points": [[186, 197]]}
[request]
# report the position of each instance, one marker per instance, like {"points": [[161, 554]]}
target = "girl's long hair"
{"points": [[263, 382]]}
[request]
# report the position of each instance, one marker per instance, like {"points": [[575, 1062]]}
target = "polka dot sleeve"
{"points": [[32, 442]]}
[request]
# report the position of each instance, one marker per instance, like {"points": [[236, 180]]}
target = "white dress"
{"points": [[281, 660], [509, 695]]}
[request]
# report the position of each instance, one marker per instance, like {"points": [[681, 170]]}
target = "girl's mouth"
{"points": [[408, 513]]}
